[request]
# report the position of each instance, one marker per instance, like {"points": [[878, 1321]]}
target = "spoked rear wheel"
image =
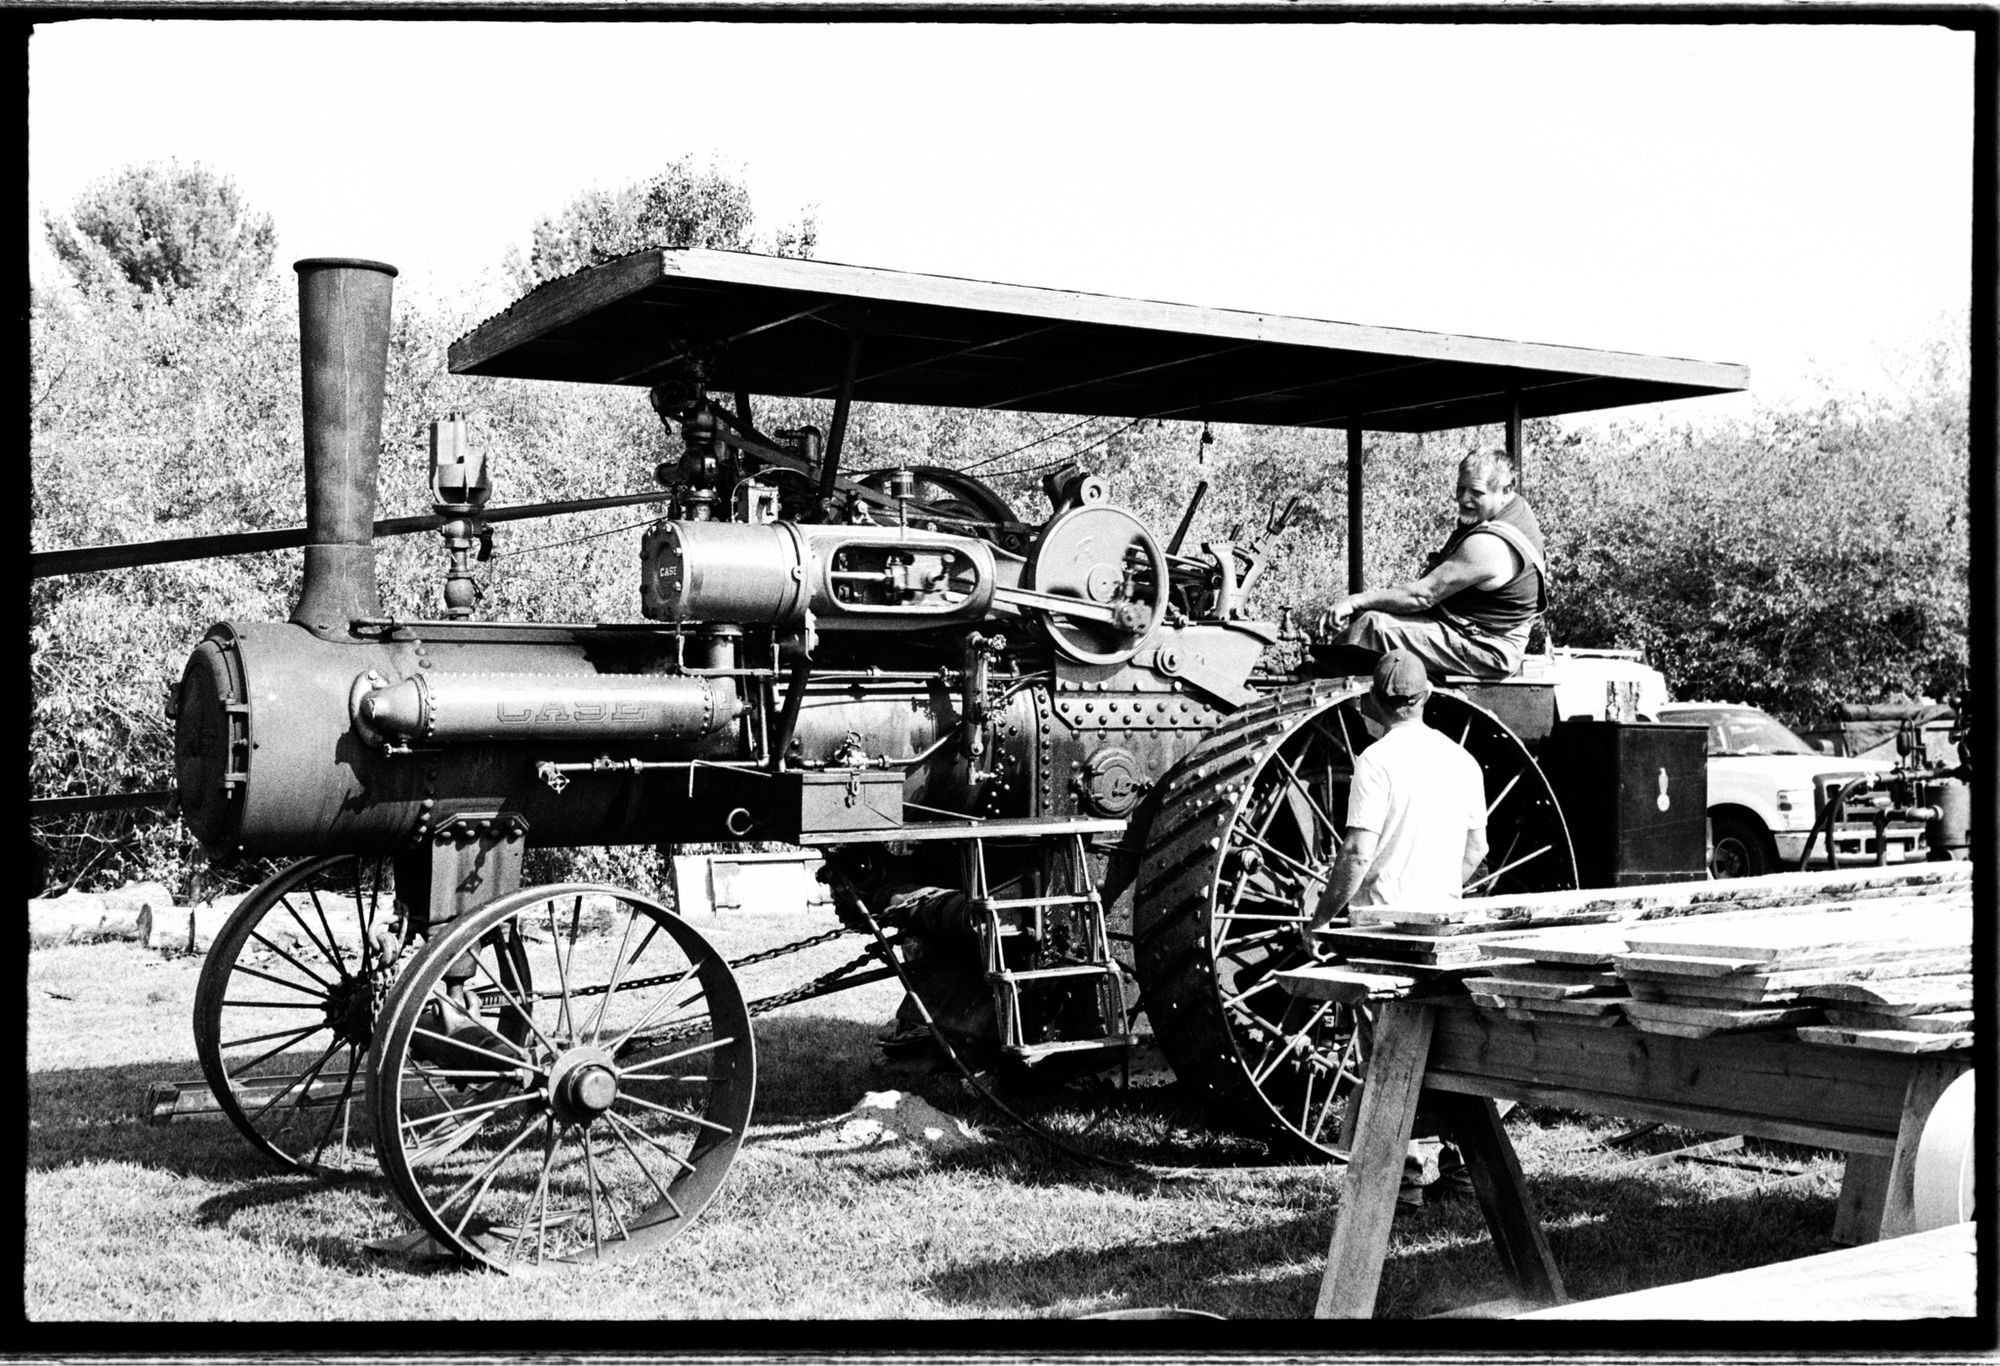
{"points": [[285, 1009], [1252, 821], [593, 1116]]}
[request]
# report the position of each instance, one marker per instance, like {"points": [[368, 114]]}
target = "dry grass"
{"points": [[126, 1221]]}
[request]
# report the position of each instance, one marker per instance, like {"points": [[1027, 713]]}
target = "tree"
{"points": [[681, 206], [156, 229]]}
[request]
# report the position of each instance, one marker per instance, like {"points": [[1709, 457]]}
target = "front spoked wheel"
{"points": [[593, 1115], [285, 1010]]}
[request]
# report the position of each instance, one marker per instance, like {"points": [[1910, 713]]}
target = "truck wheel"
{"points": [[1742, 848]]}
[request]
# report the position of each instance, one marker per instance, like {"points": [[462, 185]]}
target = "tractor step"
{"points": [[1044, 974]]}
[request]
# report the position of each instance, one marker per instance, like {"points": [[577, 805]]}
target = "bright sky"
{"points": [[1796, 198]]}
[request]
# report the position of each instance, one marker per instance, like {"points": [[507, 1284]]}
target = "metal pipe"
{"points": [[88, 559], [344, 311]]}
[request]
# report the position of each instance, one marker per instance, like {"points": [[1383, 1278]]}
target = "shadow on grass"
{"points": [[1607, 1236], [808, 1068]]}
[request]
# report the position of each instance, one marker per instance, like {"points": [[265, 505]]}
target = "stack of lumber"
{"points": [[1913, 1014], [1756, 969], [1565, 976], [1571, 956]]}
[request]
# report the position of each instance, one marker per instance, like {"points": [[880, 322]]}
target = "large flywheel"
{"points": [[1250, 824]]}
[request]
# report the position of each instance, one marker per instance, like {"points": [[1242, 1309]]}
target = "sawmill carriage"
{"points": [[1071, 786]]}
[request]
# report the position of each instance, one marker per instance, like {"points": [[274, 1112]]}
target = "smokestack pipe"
{"points": [[343, 367]]}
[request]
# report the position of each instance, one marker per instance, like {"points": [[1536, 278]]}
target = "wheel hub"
{"points": [[350, 1009], [583, 1084]]}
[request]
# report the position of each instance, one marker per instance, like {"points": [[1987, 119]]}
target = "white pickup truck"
{"points": [[1761, 805]]}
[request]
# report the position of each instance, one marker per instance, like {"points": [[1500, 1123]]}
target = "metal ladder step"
{"points": [[1043, 974]]}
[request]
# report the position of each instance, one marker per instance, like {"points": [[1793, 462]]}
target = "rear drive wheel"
{"points": [[1251, 823]]}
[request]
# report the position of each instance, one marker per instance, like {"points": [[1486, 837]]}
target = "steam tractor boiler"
{"points": [[1062, 778]]}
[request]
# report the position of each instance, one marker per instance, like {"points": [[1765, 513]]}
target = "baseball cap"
{"points": [[1400, 678]]}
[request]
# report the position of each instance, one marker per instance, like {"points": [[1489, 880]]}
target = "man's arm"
{"points": [[1355, 857], [1479, 562], [1475, 850]]}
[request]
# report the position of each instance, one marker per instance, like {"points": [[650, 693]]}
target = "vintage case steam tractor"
{"points": [[1049, 759]]}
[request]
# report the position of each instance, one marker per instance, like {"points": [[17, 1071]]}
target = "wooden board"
{"points": [[1586, 1007], [1765, 1084], [1803, 980], [1423, 972], [1766, 939], [1609, 1020], [1901, 995], [1475, 922], [1583, 947], [1514, 986], [1384, 943], [1564, 974], [1883, 1040], [1932, 1275], [1717, 1019], [1723, 998], [1943, 1022], [1324, 982]]}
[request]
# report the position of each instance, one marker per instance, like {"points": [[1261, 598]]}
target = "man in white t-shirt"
{"points": [[1416, 830], [1416, 810]]}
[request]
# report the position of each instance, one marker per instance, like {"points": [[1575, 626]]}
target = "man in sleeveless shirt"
{"points": [[1479, 597]]}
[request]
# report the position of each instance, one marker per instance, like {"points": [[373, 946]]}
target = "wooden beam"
{"points": [[1474, 1123], [1374, 1173], [1927, 1082]]}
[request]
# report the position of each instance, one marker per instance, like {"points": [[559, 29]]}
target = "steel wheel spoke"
{"points": [[289, 986], [290, 1036], [332, 939], [666, 999], [282, 953], [620, 1122], [1506, 868], [617, 971], [522, 1012], [678, 1114]]}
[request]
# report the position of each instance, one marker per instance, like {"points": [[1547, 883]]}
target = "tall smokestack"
{"points": [[343, 364]]}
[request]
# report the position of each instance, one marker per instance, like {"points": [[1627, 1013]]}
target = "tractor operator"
{"points": [[1416, 832], [1480, 594]]}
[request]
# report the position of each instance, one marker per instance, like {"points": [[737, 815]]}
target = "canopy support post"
{"points": [[1514, 451], [1354, 583], [829, 467]]}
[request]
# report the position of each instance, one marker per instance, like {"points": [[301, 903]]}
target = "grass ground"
{"points": [[183, 1223]]}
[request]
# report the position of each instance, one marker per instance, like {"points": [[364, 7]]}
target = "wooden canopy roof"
{"points": [[777, 326]]}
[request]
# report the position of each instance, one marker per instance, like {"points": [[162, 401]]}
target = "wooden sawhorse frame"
{"points": [[1870, 1105]]}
